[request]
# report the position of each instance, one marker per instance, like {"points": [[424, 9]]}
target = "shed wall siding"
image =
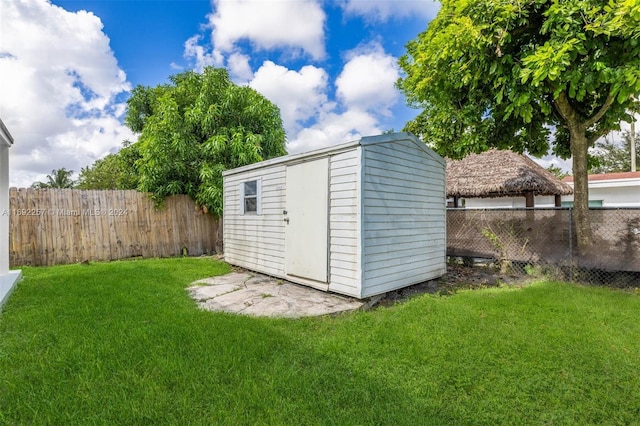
{"points": [[404, 228], [344, 227], [256, 242]]}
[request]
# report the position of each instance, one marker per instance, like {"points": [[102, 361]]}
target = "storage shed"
{"points": [[359, 219]]}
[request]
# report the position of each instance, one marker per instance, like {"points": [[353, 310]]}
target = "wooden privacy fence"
{"points": [[58, 226]]}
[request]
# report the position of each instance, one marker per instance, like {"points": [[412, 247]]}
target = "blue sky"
{"points": [[67, 67]]}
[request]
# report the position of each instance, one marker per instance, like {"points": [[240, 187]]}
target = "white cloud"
{"points": [[364, 94], [552, 160], [239, 68], [299, 94], [367, 80], [291, 24], [58, 89], [313, 114], [383, 10], [193, 50], [334, 128]]}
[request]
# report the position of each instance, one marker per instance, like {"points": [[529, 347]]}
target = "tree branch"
{"points": [[564, 108], [591, 140], [603, 109]]}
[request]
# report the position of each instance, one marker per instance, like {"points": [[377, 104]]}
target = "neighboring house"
{"points": [[360, 219], [501, 178], [8, 278], [610, 190]]}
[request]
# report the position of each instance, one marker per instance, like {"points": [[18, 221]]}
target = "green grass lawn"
{"points": [[122, 343]]}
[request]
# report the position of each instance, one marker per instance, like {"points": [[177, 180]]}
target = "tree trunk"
{"points": [[579, 146], [579, 153]]}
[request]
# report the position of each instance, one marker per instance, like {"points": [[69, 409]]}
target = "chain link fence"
{"points": [[543, 242]]}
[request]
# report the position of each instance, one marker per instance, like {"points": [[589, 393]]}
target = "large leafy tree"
{"points": [[115, 171], [196, 127], [528, 75], [59, 178]]}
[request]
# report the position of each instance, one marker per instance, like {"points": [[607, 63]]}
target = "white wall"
{"points": [[4, 209], [8, 279], [404, 224], [256, 241], [344, 223], [613, 193], [507, 202]]}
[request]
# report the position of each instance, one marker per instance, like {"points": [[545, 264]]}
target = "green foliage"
{"points": [[122, 343], [493, 239], [621, 18], [557, 172], [195, 128], [128, 175], [59, 178], [115, 171], [100, 175], [496, 73], [610, 157], [531, 75]]}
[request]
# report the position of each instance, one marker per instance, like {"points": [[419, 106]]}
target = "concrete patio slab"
{"points": [[253, 294]]}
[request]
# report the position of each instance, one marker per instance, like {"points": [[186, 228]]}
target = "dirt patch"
{"points": [[458, 277]]}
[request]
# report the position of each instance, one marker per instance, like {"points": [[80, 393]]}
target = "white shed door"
{"points": [[306, 230]]}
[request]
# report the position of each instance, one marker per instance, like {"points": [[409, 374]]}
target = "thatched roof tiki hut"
{"points": [[500, 173]]}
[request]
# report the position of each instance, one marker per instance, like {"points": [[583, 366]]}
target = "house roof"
{"points": [[500, 173], [5, 136], [607, 176]]}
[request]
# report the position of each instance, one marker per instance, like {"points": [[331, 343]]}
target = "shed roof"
{"points": [[500, 173], [311, 155]]}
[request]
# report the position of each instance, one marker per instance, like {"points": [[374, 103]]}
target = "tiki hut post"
{"points": [[529, 203], [558, 200], [529, 199]]}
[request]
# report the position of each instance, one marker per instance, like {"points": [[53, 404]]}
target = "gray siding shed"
{"points": [[359, 219]]}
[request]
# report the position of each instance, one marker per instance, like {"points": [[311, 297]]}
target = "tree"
{"points": [[115, 171], [611, 157], [128, 156], [195, 128], [557, 172], [529, 75], [59, 178]]}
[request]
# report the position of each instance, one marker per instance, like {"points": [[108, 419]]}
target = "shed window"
{"points": [[250, 199]]}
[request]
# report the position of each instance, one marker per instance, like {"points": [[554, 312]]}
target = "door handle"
{"points": [[286, 219]]}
